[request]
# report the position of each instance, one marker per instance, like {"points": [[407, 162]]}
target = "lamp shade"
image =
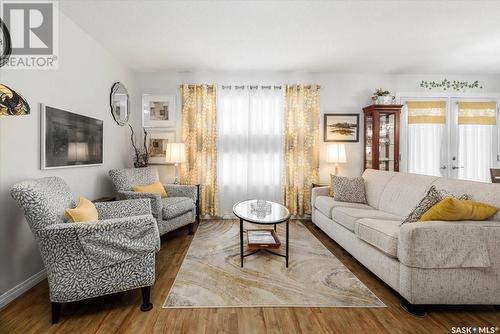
{"points": [[175, 153], [336, 153]]}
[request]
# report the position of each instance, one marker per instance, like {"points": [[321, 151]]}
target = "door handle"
{"points": [[443, 167], [456, 167]]}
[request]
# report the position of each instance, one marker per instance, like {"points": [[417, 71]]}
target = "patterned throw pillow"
{"points": [[349, 189], [432, 197]]}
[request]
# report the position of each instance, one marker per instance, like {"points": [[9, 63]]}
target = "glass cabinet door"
{"points": [[386, 142], [369, 141]]}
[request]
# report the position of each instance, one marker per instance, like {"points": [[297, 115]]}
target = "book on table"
{"points": [[262, 239]]}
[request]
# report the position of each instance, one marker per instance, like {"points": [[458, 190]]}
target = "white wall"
{"points": [[340, 93], [82, 85]]}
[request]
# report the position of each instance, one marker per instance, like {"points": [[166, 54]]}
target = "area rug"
{"points": [[211, 276]]}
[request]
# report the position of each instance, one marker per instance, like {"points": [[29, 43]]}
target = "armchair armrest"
{"points": [[155, 199], [439, 244], [318, 191], [124, 208], [182, 190], [101, 243]]}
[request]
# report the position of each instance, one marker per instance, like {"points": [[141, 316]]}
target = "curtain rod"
{"points": [[250, 86], [263, 86]]}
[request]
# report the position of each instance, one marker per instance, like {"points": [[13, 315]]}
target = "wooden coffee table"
{"points": [[279, 214]]}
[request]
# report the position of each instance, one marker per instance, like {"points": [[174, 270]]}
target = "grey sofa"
{"points": [[426, 263], [85, 260], [177, 210]]}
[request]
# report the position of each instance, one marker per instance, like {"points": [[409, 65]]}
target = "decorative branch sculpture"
{"points": [[141, 158]]}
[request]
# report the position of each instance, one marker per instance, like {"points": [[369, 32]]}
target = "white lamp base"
{"points": [[176, 181]]}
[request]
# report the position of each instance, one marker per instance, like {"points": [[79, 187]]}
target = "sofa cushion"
{"points": [[325, 204], [375, 182], [176, 206], [381, 234], [403, 192], [347, 217]]}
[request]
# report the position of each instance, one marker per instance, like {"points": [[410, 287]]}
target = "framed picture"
{"points": [[341, 128], [157, 145], [69, 139], [158, 111]]}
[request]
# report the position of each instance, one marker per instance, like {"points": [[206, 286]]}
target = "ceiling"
{"points": [[394, 37]]}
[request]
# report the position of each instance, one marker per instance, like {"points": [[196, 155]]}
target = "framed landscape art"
{"points": [[341, 128], [158, 111]]}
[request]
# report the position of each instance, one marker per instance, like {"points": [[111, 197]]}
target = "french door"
{"points": [[450, 137]]}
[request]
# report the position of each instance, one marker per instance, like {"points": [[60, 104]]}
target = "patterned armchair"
{"points": [[85, 260], [177, 210]]}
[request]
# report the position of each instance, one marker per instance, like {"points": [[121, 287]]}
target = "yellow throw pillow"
{"points": [[450, 209], [156, 187], [85, 211]]}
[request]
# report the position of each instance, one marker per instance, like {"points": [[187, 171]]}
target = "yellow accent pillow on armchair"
{"points": [[156, 187], [85, 211], [451, 209]]}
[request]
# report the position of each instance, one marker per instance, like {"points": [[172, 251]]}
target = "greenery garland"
{"points": [[447, 84]]}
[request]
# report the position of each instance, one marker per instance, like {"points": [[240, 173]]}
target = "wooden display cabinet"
{"points": [[381, 139]]}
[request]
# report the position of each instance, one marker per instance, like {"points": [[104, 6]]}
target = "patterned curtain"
{"points": [[199, 136], [300, 146]]}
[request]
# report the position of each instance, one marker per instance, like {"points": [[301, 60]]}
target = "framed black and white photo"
{"points": [[157, 145], [158, 111], [341, 128], [69, 139]]}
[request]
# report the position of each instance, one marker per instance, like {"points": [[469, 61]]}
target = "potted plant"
{"points": [[381, 96]]}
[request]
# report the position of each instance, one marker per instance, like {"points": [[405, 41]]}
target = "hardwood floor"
{"points": [[120, 313]]}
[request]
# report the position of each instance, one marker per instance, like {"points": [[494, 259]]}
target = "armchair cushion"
{"points": [[176, 206], [124, 208], [124, 179], [107, 242], [182, 190], [155, 200]]}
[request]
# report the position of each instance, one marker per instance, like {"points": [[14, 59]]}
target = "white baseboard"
{"points": [[21, 288]]}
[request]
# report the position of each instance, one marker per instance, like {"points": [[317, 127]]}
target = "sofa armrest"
{"points": [[104, 242], [318, 191], [155, 199], [439, 244], [124, 208], [182, 190]]}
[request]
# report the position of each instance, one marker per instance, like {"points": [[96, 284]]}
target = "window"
{"points": [[476, 140], [426, 132], [250, 131]]}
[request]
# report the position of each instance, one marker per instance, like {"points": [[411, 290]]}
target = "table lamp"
{"points": [[336, 155], [176, 155]]}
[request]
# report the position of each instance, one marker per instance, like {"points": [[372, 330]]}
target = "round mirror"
{"points": [[119, 103]]}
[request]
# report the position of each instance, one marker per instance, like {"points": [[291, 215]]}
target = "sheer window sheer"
{"points": [[476, 138], [250, 131], [426, 131]]}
